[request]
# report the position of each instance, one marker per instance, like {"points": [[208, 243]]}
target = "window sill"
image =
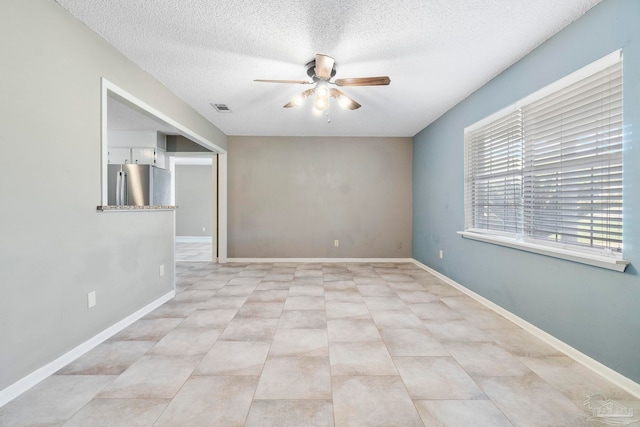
{"points": [[610, 263]]}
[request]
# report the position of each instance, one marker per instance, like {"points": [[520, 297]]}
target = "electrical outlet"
{"points": [[336, 243], [204, 229], [161, 270], [399, 245], [91, 299], [441, 254]]}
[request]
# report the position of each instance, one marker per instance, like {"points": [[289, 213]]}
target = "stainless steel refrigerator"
{"points": [[138, 185]]}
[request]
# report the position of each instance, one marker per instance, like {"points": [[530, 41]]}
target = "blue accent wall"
{"points": [[594, 310]]}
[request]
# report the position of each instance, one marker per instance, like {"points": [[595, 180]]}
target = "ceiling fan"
{"points": [[321, 70]]}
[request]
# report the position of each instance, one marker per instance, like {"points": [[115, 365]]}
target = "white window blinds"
{"points": [[495, 190], [550, 170]]}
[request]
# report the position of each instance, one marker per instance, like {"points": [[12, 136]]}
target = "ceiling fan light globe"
{"points": [[322, 91], [321, 103], [298, 100], [316, 112]]}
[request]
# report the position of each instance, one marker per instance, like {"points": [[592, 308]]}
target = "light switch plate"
{"points": [[91, 299]]}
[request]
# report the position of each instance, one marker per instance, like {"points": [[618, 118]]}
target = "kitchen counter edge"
{"points": [[113, 208]]}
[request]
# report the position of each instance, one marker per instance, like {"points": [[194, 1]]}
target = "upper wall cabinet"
{"points": [[118, 156], [137, 156], [143, 156]]}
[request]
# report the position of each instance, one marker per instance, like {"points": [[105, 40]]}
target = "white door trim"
{"points": [[222, 208]]}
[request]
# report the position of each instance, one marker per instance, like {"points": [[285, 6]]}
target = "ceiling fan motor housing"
{"points": [[311, 70]]}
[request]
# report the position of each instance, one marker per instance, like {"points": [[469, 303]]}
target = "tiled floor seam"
{"points": [[253, 396]]}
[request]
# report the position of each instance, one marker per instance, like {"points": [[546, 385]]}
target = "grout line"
{"points": [[326, 318]]}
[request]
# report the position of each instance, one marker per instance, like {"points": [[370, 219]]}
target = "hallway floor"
{"points": [[316, 345], [194, 251]]}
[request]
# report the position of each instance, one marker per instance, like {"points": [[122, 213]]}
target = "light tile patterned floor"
{"points": [[316, 345], [194, 251]]}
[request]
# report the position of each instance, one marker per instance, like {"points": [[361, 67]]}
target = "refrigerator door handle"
{"points": [[125, 188], [119, 188]]}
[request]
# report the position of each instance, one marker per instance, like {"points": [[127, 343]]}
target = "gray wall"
{"points": [[178, 143], [195, 198], [293, 196], [589, 308], [54, 246]]}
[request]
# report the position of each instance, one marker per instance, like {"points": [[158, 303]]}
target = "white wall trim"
{"points": [[194, 239], [607, 373], [222, 208], [326, 260], [24, 384], [214, 210]]}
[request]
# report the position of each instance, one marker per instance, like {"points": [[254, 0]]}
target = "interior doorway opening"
{"points": [[195, 187]]}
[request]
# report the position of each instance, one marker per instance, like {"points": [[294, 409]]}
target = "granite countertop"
{"points": [[113, 208]]}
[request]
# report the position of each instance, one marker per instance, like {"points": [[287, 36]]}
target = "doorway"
{"points": [[195, 189]]}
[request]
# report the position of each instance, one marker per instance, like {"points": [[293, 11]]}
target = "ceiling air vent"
{"points": [[221, 108]]}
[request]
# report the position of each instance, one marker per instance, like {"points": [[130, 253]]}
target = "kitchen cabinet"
{"points": [[118, 156], [161, 158], [143, 156], [136, 156]]}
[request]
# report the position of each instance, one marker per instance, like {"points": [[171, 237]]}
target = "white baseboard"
{"points": [[607, 373], [323, 260], [194, 239], [24, 384]]}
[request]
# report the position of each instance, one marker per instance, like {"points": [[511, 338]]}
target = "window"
{"points": [[547, 171]]}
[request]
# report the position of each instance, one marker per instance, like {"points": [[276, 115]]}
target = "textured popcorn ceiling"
{"points": [[436, 53]]}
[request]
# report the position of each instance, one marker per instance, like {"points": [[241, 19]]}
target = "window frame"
{"points": [[576, 253]]}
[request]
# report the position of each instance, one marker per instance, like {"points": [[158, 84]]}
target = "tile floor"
{"points": [[316, 345], [193, 251]]}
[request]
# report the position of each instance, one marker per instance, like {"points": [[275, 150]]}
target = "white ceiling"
{"points": [[436, 53]]}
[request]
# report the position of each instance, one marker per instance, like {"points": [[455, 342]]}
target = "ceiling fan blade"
{"points": [[324, 66], [344, 100], [364, 81], [297, 100], [300, 82]]}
